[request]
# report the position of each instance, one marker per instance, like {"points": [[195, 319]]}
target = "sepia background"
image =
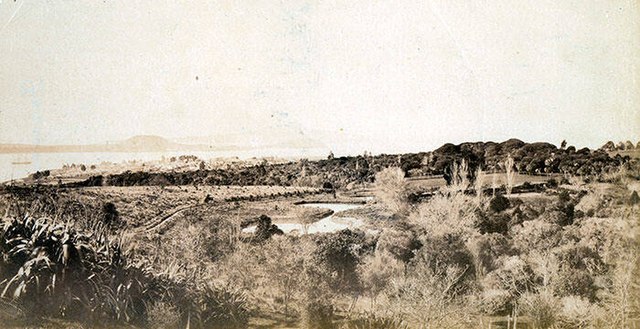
{"points": [[319, 164]]}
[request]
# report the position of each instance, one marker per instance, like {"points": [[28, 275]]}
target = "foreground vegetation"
{"points": [[467, 255]]}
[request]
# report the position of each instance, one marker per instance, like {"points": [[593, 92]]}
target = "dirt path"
{"points": [[158, 221]]}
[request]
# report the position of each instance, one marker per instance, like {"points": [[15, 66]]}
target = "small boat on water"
{"points": [[21, 160]]}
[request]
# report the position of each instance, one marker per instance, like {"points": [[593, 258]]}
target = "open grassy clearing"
{"points": [[141, 204]]}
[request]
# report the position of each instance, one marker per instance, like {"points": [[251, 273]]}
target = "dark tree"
{"points": [[499, 203], [110, 214], [265, 229]]}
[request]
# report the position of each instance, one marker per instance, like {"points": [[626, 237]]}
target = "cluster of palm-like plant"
{"points": [[50, 269]]}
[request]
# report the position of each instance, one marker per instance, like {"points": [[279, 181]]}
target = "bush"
{"points": [[264, 229], [221, 307], [374, 322], [51, 270], [634, 199], [337, 256], [496, 302], [542, 308], [390, 189], [401, 243], [161, 315], [317, 314], [578, 313], [110, 215], [493, 223], [377, 271], [448, 251], [499, 203]]}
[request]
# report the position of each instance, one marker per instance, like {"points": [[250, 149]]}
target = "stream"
{"points": [[331, 223]]}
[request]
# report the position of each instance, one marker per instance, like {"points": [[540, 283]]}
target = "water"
{"points": [[47, 161], [332, 223]]}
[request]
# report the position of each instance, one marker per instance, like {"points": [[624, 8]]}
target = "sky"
{"points": [[382, 76]]}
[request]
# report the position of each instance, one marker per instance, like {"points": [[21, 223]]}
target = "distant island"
{"points": [[151, 143]]}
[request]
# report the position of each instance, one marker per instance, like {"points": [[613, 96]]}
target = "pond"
{"points": [[331, 223]]}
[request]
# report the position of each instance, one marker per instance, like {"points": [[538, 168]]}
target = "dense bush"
{"points": [[52, 270], [337, 172], [499, 203]]}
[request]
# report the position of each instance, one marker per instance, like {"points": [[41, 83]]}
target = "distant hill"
{"points": [[283, 138], [151, 143], [147, 142]]}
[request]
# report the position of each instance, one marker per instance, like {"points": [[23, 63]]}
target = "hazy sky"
{"points": [[357, 75]]}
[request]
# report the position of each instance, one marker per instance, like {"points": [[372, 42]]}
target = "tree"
{"points": [[458, 175], [337, 257], [265, 229], [628, 145], [110, 214], [508, 164], [563, 144], [377, 270], [390, 189], [499, 203]]}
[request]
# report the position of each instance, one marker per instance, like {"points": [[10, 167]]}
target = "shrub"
{"points": [[447, 251], [542, 308], [425, 297], [377, 270], [374, 322], [110, 215], [499, 203], [495, 302], [401, 243], [337, 256], [493, 223], [390, 189], [487, 250], [634, 199], [317, 314], [265, 229], [578, 312], [221, 307], [161, 315], [52, 270]]}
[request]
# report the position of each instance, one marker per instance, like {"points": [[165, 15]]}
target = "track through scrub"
{"points": [[163, 219], [157, 222]]}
